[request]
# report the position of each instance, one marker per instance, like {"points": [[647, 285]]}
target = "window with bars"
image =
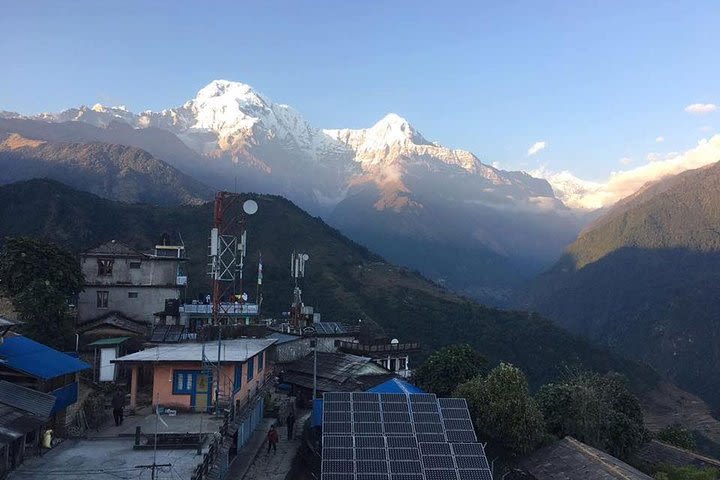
{"points": [[105, 267], [183, 382]]}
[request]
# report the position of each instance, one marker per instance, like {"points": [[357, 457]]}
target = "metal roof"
{"points": [[570, 458], [14, 423], [108, 342], [237, 350], [26, 399], [114, 248], [284, 337], [395, 385], [6, 322], [37, 360], [337, 367]]}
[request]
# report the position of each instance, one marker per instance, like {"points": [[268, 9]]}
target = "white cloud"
{"points": [[536, 147], [706, 128], [578, 193], [659, 139], [626, 161], [701, 108]]}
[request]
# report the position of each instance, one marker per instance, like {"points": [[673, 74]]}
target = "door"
{"points": [[107, 369], [201, 394]]}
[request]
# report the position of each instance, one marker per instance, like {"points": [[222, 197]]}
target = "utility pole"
{"points": [[217, 382]]}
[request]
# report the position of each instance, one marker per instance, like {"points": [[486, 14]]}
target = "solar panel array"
{"points": [[394, 436]]}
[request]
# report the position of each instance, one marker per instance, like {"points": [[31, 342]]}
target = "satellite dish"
{"points": [[250, 207], [394, 341], [306, 257]]}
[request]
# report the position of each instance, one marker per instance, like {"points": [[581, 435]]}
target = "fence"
{"points": [[250, 423]]}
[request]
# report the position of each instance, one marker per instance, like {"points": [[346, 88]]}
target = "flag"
{"points": [[260, 270]]}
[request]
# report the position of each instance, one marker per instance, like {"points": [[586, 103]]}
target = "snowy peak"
{"points": [[391, 131]]}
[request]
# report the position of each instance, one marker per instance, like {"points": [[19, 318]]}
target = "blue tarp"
{"points": [[395, 385], [37, 360], [65, 396]]}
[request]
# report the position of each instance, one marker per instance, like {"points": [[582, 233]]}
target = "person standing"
{"points": [[272, 439], [290, 420], [118, 402]]}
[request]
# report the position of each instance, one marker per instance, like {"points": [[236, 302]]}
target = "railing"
{"points": [[226, 308], [386, 347]]}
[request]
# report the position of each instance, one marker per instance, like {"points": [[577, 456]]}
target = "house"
{"points": [[336, 372], [30, 364], [185, 375], [569, 458], [292, 347], [393, 355], [122, 283], [24, 414]]}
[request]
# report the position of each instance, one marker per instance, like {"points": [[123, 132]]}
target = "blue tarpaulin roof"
{"points": [[37, 360], [395, 385]]}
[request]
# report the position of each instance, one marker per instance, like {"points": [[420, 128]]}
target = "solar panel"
{"points": [[461, 436], [396, 417], [395, 407], [438, 461], [336, 416], [467, 449], [370, 436], [365, 397], [440, 474], [484, 474], [337, 397], [336, 407], [435, 448], [458, 424], [452, 403], [372, 454], [366, 417], [403, 453], [339, 454], [402, 442], [159, 333], [337, 466], [371, 466], [404, 466], [337, 442], [393, 397], [369, 442], [474, 461]]}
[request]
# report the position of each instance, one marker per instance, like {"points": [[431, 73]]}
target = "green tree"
{"points": [[40, 278], [671, 472], [447, 368], [504, 413], [596, 409], [677, 435]]}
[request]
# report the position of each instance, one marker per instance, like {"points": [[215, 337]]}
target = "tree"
{"points": [[676, 435], [447, 368], [504, 413], [40, 278], [596, 409], [689, 472]]}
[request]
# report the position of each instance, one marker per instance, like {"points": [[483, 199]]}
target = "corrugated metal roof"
{"points": [[6, 322], [570, 458], [37, 360], [26, 399], [113, 248], [284, 337], [237, 350], [108, 341]]}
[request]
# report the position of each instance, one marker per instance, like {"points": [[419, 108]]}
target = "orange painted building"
{"points": [[181, 379]]}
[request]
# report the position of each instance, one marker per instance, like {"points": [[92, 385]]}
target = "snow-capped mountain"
{"points": [[378, 183], [573, 191]]}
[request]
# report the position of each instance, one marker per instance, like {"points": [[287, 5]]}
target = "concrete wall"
{"points": [[148, 301], [297, 349], [154, 282], [163, 381]]}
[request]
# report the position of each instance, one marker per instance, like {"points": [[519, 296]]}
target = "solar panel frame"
{"points": [[475, 474], [435, 448], [336, 407], [405, 466], [471, 462], [402, 442], [403, 454], [337, 397], [371, 454], [440, 474], [371, 466], [370, 442], [461, 436]]}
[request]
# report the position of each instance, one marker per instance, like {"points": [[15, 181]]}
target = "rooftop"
{"points": [[113, 248], [37, 360], [238, 350], [570, 458], [26, 399], [336, 372]]}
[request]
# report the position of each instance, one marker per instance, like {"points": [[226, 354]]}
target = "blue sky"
{"points": [[597, 81]]}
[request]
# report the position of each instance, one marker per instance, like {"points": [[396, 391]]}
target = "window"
{"points": [[135, 264], [393, 364], [261, 360], [402, 363], [105, 267], [238, 378], [183, 382], [250, 368], [132, 294], [102, 299]]}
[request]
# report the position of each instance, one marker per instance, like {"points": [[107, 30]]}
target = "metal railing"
{"points": [[381, 348]]}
